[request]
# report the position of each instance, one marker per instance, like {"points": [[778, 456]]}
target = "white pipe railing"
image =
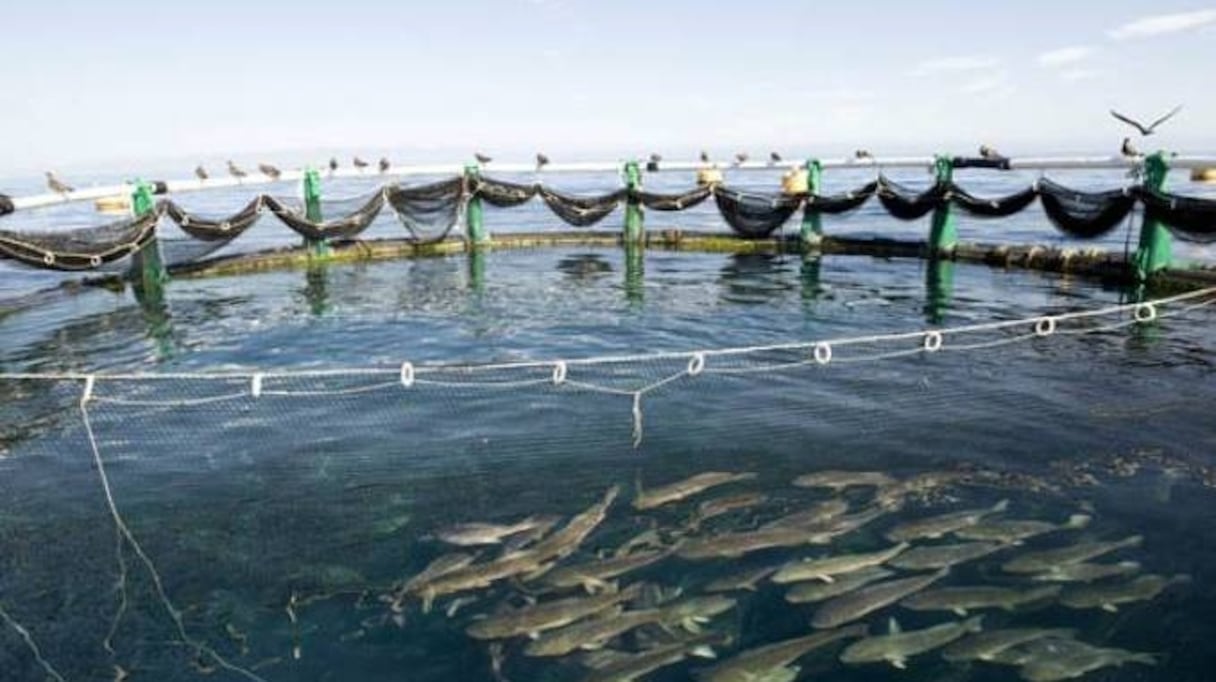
{"points": [[926, 162]]}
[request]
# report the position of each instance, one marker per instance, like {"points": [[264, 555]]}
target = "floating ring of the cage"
{"points": [[407, 374], [823, 353], [1145, 312], [1045, 326], [559, 372], [933, 341], [255, 385], [696, 364]]}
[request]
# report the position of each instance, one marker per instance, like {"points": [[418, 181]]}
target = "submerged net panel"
{"points": [[581, 211], [291, 212], [428, 212], [673, 202], [85, 248], [992, 208], [1189, 218], [1085, 214], [212, 228], [843, 202], [906, 204], [755, 215], [504, 194]]}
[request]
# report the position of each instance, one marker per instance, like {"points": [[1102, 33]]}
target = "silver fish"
{"points": [[943, 556], [724, 505], [814, 516], [960, 600], [1049, 559], [1084, 573], [593, 575], [937, 526], [734, 545], [898, 646], [805, 593], [986, 646], [839, 480], [853, 605], [673, 492], [632, 667], [824, 568], [754, 664], [1108, 597], [1065, 659], [744, 580], [475, 534], [1014, 531], [530, 620]]}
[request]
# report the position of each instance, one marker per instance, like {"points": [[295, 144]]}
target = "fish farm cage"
{"points": [[504, 447]]}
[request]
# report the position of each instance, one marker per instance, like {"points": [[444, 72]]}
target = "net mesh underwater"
{"points": [[619, 517]]}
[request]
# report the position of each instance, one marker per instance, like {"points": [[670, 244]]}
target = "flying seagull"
{"points": [[541, 161], [482, 158], [774, 158], [236, 172], [1149, 129], [1128, 149], [56, 185], [384, 164], [358, 163], [269, 171], [200, 172]]}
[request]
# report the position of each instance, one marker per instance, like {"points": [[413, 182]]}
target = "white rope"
{"points": [[31, 645]]}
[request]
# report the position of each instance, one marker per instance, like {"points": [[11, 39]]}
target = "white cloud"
{"points": [[1065, 56], [991, 84], [955, 64], [1073, 75], [1161, 24]]}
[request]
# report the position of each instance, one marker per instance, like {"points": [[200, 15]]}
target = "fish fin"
{"points": [[826, 578], [1133, 541], [1146, 659], [704, 651], [529, 600], [959, 611], [428, 600], [690, 625], [701, 619], [893, 626], [1110, 608], [591, 646], [1000, 506], [900, 663]]}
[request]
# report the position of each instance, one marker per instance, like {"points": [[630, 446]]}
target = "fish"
{"points": [[897, 646], [754, 664], [441, 565], [565, 541], [823, 569], [524, 539], [961, 599], [942, 556], [1084, 573], [594, 633], [627, 668], [942, 524], [474, 534], [804, 593], [674, 492], [1064, 659], [853, 605], [1049, 559], [530, 620], [724, 505], [894, 496], [986, 646], [1014, 531], [814, 516], [593, 576], [743, 580], [839, 480], [1108, 597], [734, 545], [648, 538]]}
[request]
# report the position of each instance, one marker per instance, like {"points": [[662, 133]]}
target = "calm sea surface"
{"points": [[281, 526]]}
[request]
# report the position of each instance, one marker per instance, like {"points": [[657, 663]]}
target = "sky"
{"points": [[125, 83]]}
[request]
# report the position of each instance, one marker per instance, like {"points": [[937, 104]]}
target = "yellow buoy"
{"points": [[795, 181], [709, 175], [116, 204], [1203, 175]]}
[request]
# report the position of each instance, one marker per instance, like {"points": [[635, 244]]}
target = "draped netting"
{"points": [[673, 202], [999, 207], [503, 194], [1189, 218], [6, 204], [906, 204], [1085, 214], [581, 211], [84, 248], [755, 215], [356, 215], [207, 233], [429, 212], [842, 202]]}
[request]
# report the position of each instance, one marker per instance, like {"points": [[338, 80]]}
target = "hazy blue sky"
{"points": [[127, 82]]}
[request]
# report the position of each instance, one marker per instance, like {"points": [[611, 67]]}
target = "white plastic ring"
{"points": [[255, 385], [559, 373], [185, 220], [823, 353], [696, 364], [407, 374], [94, 261], [48, 258], [933, 341], [225, 226], [1046, 326], [1146, 312]]}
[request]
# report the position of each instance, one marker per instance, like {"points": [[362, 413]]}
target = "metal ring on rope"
{"points": [[696, 364], [933, 341], [1145, 312], [823, 353], [407, 374], [559, 373], [48, 258], [1046, 326]]}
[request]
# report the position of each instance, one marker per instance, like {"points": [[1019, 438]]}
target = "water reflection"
{"points": [[754, 278], [584, 267], [316, 288], [939, 289], [635, 274]]}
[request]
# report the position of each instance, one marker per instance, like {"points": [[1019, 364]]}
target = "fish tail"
{"points": [[1146, 659], [1132, 541], [1078, 521]]}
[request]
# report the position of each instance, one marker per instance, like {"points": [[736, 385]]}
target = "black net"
{"points": [[841, 203], [1189, 218], [357, 215], [905, 204], [503, 194], [86, 248], [1085, 215], [755, 215], [992, 208], [6, 204], [581, 211], [673, 202], [429, 212], [214, 228]]}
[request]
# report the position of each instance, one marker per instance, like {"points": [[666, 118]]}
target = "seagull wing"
{"points": [[1165, 118], [1131, 122]]}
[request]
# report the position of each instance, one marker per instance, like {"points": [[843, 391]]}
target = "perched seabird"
{"points": [[541, 161], [1128, 149], [358, 163], [704, 156], [236, 172], [863, 155], [1150, 128], [774, 158], [200, 172], [56, 185], [333, 164], [990, 153], [652, 163], [482, 158], [741, 158], [384, 164], [269, 171]]}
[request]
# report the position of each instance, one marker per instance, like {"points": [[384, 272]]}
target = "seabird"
{"points": [[333, 164], [1149, 129], [236, 172], [56, 185], [741, 158], [774, 158], [541, 161], [482, 158], [704, 156], [652, 163], [200, 172], [358, 163], [990, 153], [862, 154], [1128, 149], [384, 164], [269, 171]]}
